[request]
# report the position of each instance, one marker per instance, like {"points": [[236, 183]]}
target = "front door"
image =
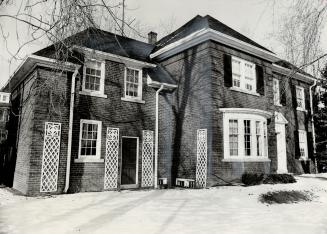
{"points": [[129, 178], [281, 148]]}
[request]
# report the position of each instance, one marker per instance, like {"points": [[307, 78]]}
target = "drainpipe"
{"points": [[156, 138], [70, 131], [313, 127]]}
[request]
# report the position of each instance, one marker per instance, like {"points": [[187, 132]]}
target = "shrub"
{"points": [[279, 197], [279, 179], [252, 179]]}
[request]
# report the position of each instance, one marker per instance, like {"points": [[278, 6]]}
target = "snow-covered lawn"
{"points": [[217, 210]]}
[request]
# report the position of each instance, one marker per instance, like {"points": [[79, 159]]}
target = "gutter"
{"points": [[70, 131], [313, 126]]}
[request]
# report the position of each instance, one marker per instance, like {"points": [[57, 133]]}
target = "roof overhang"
{"points": [[31, 62], [157, 84], [293, 74], [113, 57], [210, 34]]}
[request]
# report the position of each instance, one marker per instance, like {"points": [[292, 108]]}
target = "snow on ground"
{"points": [[217, 210]]}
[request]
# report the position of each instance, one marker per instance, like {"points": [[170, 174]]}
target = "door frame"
{"points": [[281, 121], [129, 186]]}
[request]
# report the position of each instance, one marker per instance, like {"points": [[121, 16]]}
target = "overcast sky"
{"points": [[257, 19]]}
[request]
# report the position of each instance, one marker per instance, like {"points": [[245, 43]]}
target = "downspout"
{"points": [[156, 138], [70, 131], [313, 127]]}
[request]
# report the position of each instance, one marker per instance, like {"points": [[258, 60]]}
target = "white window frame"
{"points": [[243, 79], [240, 116], [276, 91], [89, 158], [298, 88], [5, 116], [303, 143], [96, 93], [140, 86]]}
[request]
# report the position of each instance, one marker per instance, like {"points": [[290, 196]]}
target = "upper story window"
{"points": [[276, 91], [3, 135], [245, 134], [244, 75], [4, 97], [300, 101], [4, 115], [90, 140], [93, 78], [303, 144], [133, 85]]}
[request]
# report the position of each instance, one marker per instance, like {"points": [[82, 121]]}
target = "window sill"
{"points": [[88, 160], [244, 91], [304, 159], [132, 100], [278, 104], [243, 159], [301, 109], [93, 94]]}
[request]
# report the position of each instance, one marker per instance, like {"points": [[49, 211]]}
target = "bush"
{"points": [[279, 197], [279, 179], [252, 179]]}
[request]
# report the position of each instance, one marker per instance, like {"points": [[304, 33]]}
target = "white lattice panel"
{"points": [[147, 159], [201, 164], [111, 160], [50, 160]]}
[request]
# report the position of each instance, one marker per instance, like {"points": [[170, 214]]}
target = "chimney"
{"points": [[152, 37]]}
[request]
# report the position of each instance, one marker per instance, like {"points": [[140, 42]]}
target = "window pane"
{"points": [[247, 137], [258, 138], [233, 137]]}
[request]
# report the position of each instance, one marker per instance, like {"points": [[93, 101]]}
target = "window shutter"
{"points": [[228, 79], [307, 100], [282, 92], [293, 91], [260, 80], [297, 144], [310, 144]]}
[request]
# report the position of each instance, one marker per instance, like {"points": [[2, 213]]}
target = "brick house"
{"points": [[201, 106]]}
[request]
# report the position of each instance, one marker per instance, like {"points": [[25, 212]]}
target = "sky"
{"points": [[257, 19]]}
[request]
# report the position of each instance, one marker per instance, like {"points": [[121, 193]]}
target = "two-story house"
{"points": [[201, 106]]}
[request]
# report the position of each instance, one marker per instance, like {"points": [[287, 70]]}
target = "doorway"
{"points": [[129, 167]]}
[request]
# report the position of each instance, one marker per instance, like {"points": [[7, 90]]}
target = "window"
{"points": [[4, 97], [4, 115], [276, 92], [243, 75], [300, 98], [303, 144], [133, 84], [245, 134], [3, 135], [93, 78], [90, 139], [233, 137], [258, 133], [247, 137]]}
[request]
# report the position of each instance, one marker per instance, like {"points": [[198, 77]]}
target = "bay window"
{"points": [[245, 134]]}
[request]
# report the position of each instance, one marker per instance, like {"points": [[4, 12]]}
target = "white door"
{"points": [[281, 148]]}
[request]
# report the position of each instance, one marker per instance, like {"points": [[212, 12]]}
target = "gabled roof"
{"points": [[97, 39], [204, 22]]}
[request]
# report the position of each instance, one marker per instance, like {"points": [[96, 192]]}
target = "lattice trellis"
{"points": [[111, 160], [201, 165], [50, 160], [147, 159]]}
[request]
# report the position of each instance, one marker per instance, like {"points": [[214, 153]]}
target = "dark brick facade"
{"points": [[195, 104]]}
